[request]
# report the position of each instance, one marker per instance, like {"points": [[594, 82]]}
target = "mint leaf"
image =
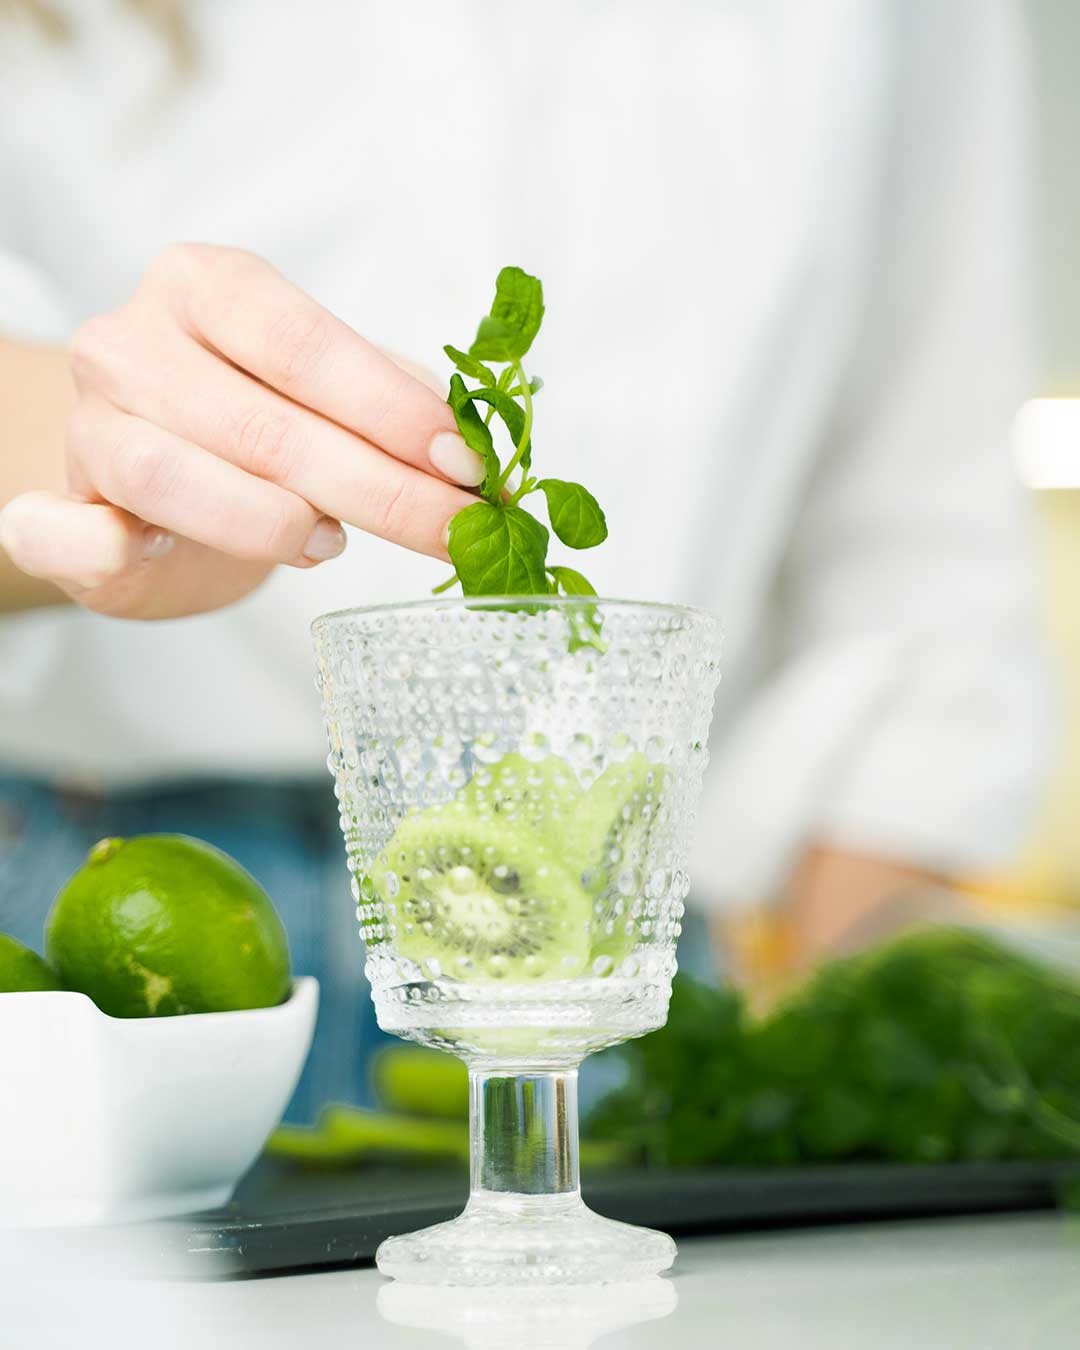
{"points": [[499, 550], [586, 629], [468, 365], [571, 582], [511, 414], [575, 513], [476, 436], [586, 623], [495, 340], [517, 311]]}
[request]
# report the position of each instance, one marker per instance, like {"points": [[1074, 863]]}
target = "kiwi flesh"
{"points": [[480, 897], [543, 794], [612, 836]]}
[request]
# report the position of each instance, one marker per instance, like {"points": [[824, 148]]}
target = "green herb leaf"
{"points": [[517, 311], [499, 550], [575, 513], [937, 1045], [475, 434], [512, 416], [468, 365], [571, 582], [586, 622]]}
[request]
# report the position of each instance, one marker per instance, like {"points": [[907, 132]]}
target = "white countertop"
{"points": [[1008, 1281]]}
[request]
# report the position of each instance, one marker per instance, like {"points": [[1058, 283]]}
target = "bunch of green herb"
{"points": [[497, 546], [939, 1046]]}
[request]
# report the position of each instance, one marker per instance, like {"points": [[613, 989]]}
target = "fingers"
{"points": [[424, 374], [112, 563], [77, 545], [340, 474], [241, 307], [227, 423], [166, 481]]}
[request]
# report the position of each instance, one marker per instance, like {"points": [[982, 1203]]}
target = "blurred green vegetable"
{"points": [[427, 1093], [939, 1046], [429, 1082], [349, 1134]]}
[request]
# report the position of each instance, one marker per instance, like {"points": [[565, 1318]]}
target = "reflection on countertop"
{"points": [[564, 1317], [993, 1281]]}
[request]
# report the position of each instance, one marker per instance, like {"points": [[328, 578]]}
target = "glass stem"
{"points": [[523, 1133]]}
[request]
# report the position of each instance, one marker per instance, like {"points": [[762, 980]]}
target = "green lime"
{"points": [[22, 971], [162, 924]]}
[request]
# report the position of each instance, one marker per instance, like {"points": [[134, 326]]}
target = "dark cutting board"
{"points": [[288, 1218]]}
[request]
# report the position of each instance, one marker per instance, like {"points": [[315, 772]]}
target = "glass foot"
{"points": [[503, 1238]]}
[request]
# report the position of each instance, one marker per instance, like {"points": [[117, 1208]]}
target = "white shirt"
{"points": [[782, 253]]}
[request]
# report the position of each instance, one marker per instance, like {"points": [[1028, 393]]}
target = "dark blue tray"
{"points": [[288, 1218]]}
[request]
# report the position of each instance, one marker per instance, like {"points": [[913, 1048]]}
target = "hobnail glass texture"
{"points": [[518, 782]]}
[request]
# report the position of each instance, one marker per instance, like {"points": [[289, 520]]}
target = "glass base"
{"points": [[505, 1238]]}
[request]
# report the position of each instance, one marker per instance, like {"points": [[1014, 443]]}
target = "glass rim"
{"points": [[458, 602]]}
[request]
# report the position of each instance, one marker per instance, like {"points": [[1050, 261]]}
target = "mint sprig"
{"points": [[497, 546]]}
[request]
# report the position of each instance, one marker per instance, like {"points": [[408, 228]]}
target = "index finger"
{"points": [[238, 304]]}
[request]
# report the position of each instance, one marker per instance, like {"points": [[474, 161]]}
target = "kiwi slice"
{"points": [[609, 848], [477, 897], [543, 794]]}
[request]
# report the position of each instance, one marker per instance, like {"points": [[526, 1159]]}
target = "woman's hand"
{"points": [[226, 423]]}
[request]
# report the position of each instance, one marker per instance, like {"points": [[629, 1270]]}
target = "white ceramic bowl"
{"points": [[107, 1120]]}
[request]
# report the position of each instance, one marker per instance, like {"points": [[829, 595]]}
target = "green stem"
{"points": [[445, 586], [526, 430], [527, 485], [1054, 1122], [1043, 1114]]}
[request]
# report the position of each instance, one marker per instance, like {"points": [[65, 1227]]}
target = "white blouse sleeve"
{"points": [[907, 713]]}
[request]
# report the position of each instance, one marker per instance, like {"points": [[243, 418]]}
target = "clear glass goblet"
{"points": [[518, 781]]}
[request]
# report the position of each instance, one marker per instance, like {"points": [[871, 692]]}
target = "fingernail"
{"points": [[158, 543], [326, 541], [453, 458]]}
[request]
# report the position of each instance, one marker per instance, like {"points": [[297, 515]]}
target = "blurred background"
{"points": [[661, 149], [1035, 899], [1048, 457]]}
